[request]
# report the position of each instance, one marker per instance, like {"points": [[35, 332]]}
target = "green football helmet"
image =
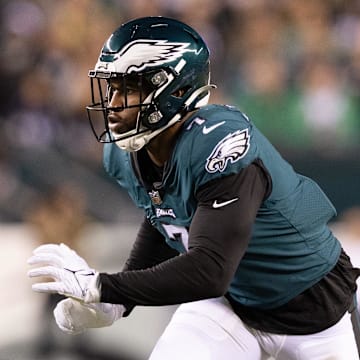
{"points": [[169, 59]]}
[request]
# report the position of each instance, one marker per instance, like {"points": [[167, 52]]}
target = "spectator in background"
{"points": [[328, 110], [268, 100], [59, 217]]}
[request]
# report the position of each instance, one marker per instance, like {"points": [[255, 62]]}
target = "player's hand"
{"points": [[73, 317], [71, 274]]}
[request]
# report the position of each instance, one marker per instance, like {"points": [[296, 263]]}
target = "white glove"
{"points": [[73, 317], [73, 277]]}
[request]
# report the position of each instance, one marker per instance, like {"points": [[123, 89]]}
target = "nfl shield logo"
{"points": [[155, 197]]}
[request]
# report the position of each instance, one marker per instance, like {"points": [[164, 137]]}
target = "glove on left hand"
{"points": [[74, 317], [73, 276]]}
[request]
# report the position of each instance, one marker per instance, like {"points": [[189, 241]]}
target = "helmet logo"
{"points": [[141, 54], [232, 147]]}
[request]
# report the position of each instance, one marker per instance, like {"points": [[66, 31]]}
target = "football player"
{"points": [[230, 230]]}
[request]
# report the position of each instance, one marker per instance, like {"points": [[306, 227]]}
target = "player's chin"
{"points": [[119, 129]]}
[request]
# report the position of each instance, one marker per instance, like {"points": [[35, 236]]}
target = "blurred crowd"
{"points": [[293, 66]]}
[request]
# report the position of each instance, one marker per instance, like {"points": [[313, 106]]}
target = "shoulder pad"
{"points": [[220, 137]]}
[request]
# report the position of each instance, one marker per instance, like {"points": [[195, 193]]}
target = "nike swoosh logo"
{"points": [[206, 130], [217, 205]]}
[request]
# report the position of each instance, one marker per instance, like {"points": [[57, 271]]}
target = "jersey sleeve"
{"points": [[222, 145]]}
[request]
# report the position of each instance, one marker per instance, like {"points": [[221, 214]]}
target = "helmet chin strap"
{"points": [[135, 143]]}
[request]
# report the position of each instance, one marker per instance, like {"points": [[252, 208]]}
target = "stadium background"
{"points": [[293, 66]]}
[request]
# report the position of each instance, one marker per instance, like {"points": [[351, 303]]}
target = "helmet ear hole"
{"points": [[179, 93]]}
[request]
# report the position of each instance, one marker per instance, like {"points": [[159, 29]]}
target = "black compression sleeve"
{"points": [[148, 249], [217, 240]]}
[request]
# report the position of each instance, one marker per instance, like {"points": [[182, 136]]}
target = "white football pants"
{"points": [[210, 330]]}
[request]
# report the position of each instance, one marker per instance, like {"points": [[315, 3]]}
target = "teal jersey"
{"points": [[291, 247]]}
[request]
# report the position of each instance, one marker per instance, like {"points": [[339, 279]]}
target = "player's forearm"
{"points": [[205, 271], [188, 277]]}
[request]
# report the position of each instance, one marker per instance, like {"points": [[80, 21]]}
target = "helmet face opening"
{"points": [[102, 91], [166, 60]]}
